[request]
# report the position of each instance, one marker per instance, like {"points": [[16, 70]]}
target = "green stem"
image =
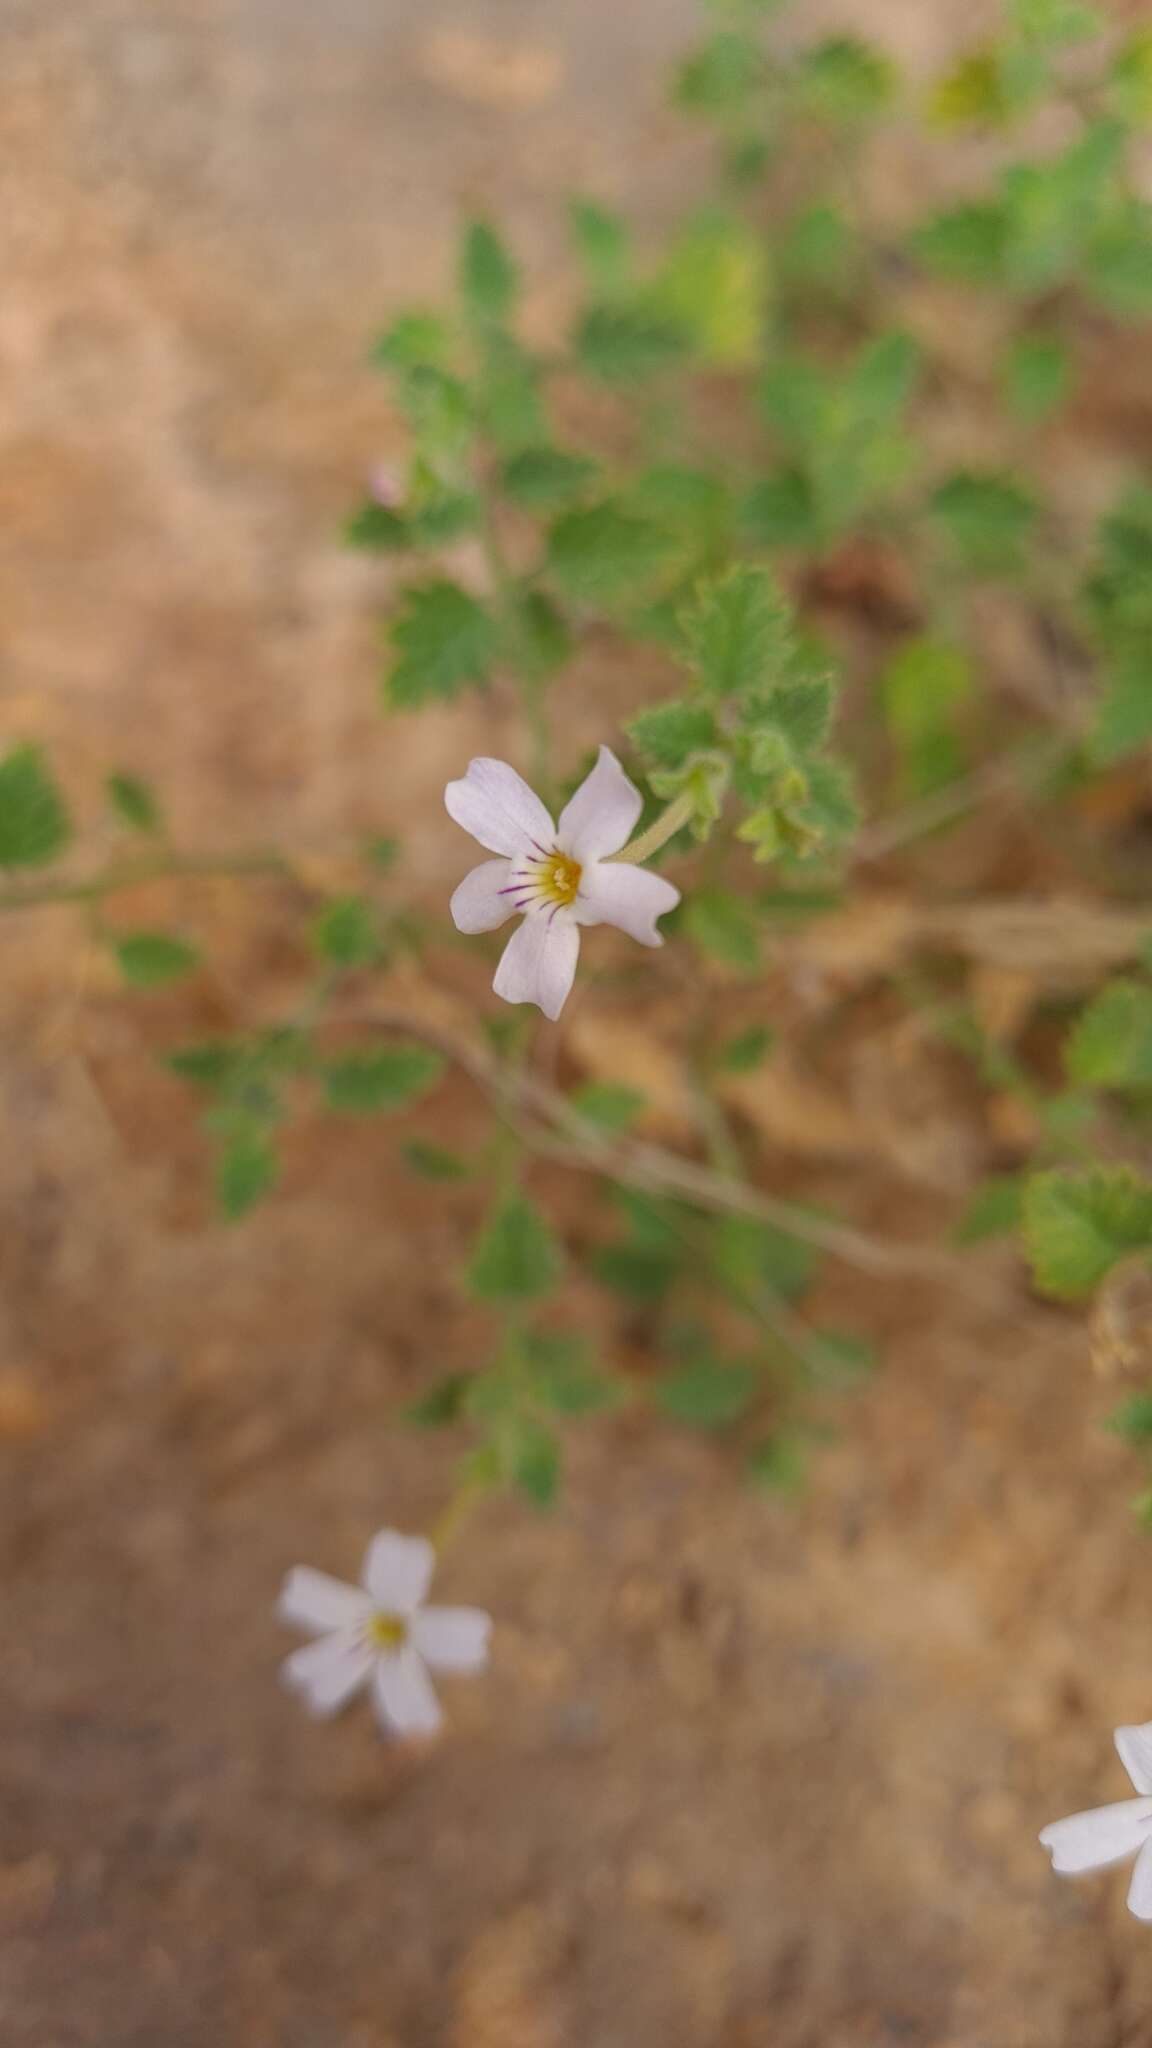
{"points": [[671, 820], [168, 867]]}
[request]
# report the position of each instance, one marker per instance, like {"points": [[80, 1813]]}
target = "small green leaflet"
{"points": [[34, 825], [246, 1171], [1078, 1225], [738, 633], [709, 1392], [390, 1077], [150, 959], [748, 1050], [1111, 1046], [488, 277], [517, 1257], [345, 933], [443, 639], [725, 927], [134, 803], [608, 1104]]}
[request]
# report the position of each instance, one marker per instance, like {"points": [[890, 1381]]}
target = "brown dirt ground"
{"points": [[742, 1776]]}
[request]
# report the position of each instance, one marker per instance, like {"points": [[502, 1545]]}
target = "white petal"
{"points": [[328, 1672], [497, 807], [452, 1638], [1093, 1840], [1140, 1889], [1135, 1747], [538, 964], [599, 817], [398, 1571], [314, 1600], [616, 892], [485, 898], [403, 1694]]}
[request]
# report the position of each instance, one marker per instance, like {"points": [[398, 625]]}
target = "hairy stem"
{"points": [[671, 820]]}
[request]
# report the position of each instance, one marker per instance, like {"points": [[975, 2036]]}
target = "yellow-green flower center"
{"points": [[559, 878], [387, 1631]]}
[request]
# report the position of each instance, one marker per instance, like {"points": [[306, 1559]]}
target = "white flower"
{"points": [[556, 876], [380, 1633], [1111, 1834]]}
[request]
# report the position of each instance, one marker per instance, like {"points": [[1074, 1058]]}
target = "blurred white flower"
{"points": [[1111, 1834], [380, 1633], [384, 486], [557, 877]]}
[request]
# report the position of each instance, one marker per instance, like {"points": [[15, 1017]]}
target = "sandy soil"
{"points": [[743, 1775]]}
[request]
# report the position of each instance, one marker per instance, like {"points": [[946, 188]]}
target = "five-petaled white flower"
{"points": [[1111, 1834], [557, 877], [382, 1632]]}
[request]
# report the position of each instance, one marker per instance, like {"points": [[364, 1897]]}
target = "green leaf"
{"points": [[246, 1171], [545, 479], [212, 1064], [926, 684], [817, 248], [442, 1404], [628, 344], [604, 554], [608, 1104], [134, 803], [391, 1077], [603, 246], [564, 1376], [150, 959], [345, 933], [509, 397], [738, 632], [669, 733], [1037, 375], [443, 639], [715, 286], [378, 529], [1077, 1226], [796, 395], [973, 92], [539, 634], [709, 1392], [724, 927], [440, 411], [884, 376], [781, 512], [748, 1254], [642, 1273], [722, 77], [434, 1162], [994, 1210], [1131, 77], [488, 278], [532, 1454], [416, 340], [383, 853], [1133, 1419], [778, 1464], [746, 1051], [988, 517], [517, 1257], [1055, 23], [1111, 1046], [846, 79], [34, 825], [1118, 260], [968, 242], [1124, 715], [800, 713]]}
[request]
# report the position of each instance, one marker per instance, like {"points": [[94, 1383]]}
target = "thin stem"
{"points": [[162, 867], [451, 1518], [671, 820]]}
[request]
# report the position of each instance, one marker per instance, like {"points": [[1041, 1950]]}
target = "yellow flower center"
{"points": [[387, 1631], [559, 878]]}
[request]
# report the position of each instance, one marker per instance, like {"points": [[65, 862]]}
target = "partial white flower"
{"points": [[380, 1633], [556, 877], [1111, 1834]]}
